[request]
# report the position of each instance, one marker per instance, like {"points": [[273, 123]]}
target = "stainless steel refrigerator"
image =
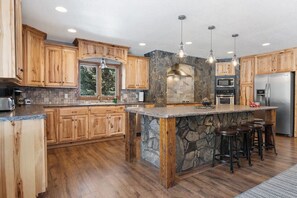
{"points": [[278, 90]]}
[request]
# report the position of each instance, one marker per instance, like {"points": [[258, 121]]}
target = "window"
{"points": [[99, 83]]}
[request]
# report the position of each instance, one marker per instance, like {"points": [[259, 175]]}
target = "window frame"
{"points": [[99, 95]]}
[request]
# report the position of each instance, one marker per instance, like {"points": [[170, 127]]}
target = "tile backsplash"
{"points": [[60, 95]]}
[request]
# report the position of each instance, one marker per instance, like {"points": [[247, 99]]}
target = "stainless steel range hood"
{"points": [[176, 71]]}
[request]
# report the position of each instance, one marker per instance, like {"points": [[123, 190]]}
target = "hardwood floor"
{"points": [[100, 170]]}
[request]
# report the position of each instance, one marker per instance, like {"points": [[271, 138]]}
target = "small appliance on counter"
{"points": [[141, 96], [7, 104]]}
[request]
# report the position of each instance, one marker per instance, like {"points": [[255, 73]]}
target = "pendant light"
{"points": [[181, 52], [234, 60], [103, 64], [211, 58]]}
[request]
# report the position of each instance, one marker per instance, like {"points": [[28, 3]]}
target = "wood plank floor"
{"points": [[99, 170]]}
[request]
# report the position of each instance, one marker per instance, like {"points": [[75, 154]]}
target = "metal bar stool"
{"points": [[231, 136], [269, 137], [246, 132]]}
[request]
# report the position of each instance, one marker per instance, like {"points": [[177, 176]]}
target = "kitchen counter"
{"points": [[164, 112], [82, 104], [24, 112]]}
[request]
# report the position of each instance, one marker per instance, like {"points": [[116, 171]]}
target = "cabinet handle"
{"points": [[74, 111]]}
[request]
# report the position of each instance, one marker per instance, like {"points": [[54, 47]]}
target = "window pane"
{"points": [[88, 80], [108, 86]]}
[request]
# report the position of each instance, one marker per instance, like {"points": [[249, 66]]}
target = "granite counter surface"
{"points": [[164, 112], [86, 104], [24, 112]]}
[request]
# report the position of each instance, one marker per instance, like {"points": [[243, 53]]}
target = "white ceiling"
{"points": [[128, 22]]}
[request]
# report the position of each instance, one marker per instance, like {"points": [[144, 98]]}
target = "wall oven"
{"points": [[225, 96], [225, 82]]}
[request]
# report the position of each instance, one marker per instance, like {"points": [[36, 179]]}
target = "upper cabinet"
{"points": [[94, 49], [11, 65], [137, 73], [282, 61], [33, 46], [247, 70], [60, 66], [225, 69]]}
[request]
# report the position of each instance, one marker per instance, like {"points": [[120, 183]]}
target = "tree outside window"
{"points": [[98, 83]]}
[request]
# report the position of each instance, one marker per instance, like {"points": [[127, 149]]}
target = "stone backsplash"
{"points": [[194, 138], [57, 95]]}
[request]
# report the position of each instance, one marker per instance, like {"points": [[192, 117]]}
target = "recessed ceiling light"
{"points": [[265, 44], [71, 30], [142, 44], [189, 43], [230, 52], [61, 9]]}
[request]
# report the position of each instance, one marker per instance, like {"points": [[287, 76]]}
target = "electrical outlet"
{"points": [[65, 96]]}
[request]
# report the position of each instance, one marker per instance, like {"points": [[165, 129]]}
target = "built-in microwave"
{"points": [[226, 81]]}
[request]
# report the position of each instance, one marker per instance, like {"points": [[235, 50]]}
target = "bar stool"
{"points": [[246, 143], [269, 137], [231, 135], [256, 129]]}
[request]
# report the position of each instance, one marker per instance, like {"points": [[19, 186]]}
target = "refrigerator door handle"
{"points": [[269, 94], [266, 94]]}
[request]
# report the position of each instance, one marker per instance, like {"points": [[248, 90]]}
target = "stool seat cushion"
{"points": [[226, 132]]}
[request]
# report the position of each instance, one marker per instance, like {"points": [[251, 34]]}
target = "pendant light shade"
{"points": [[235, 60], [103, 63], [181, 52], [211, 58]]}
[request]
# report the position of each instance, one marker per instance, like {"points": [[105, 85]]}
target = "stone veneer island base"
{"points": [[181, 138]]}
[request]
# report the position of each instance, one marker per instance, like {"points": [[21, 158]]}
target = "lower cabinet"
{"points": [[51, 126], [98, 125], [73, 124]]}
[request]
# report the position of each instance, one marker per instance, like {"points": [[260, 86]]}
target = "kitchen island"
{"points": [[23, 158], [180, 139]]}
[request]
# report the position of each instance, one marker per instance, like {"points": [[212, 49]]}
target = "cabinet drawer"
{"points": [[74, 111], [107, 109]]}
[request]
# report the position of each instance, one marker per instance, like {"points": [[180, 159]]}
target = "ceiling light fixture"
{"points": [[234, 60], [230, 52], [103, 64], [211, 58], [71, 30], [265, 44], [181, 52], [142, 44], [189, 43], [61, 9]]}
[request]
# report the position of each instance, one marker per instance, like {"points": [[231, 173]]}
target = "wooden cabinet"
{"points": [[11, 63], [247, 70], [106, 121], [94, 49], [23, 155], [285, 61], [246, 94], [98, 125], [73, 124], [51, 126], [33, 52], [69, 67], [116, 123], [137, 73], [61, 66], [266, 64], [225, 69]]}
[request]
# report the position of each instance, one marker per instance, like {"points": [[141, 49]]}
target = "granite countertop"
{"points": [[24, 112], [164, 112], [181, 103], [81, 104]]}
